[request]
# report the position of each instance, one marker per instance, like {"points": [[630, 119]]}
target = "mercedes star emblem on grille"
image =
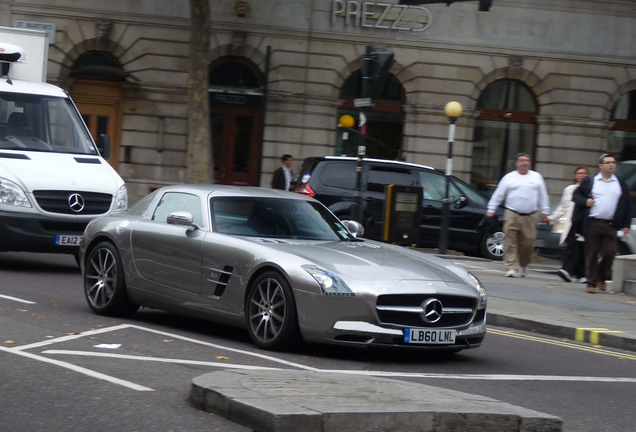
{"points": [[76, 202], [432, 310]]}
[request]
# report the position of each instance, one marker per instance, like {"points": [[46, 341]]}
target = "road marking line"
{"points": [[486, 377], [158, 359], [128, 384], [16, 299], [79, 369], [69, 337], [571, 345], [240, 351]]}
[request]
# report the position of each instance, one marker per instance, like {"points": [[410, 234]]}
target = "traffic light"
{"points": [[374, 68]]}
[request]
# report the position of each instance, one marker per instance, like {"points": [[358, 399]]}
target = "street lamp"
{"points": [[452, 110]]}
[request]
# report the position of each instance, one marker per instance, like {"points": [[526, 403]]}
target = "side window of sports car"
{"points": [[174, 201]]}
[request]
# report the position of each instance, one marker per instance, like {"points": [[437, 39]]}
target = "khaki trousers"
{"points": [[520, 232]]}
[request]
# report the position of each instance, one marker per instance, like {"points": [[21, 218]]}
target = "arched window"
{"points": [[505, 127], [623, 132], [98, 65], [384, 120]]}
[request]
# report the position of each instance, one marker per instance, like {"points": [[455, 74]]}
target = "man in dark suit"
{"points": [[283, 175], [603, 202]]}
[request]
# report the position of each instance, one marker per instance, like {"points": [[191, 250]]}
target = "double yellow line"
{"points": [[567, 344]]}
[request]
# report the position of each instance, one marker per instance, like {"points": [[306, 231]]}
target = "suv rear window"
{"points": [[339, 175], [379, 176]]}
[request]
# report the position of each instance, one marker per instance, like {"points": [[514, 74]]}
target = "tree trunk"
{"points": [[199, 166]]}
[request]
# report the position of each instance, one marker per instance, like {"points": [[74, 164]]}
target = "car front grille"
{"points": [[407, 310], [93, 203]]}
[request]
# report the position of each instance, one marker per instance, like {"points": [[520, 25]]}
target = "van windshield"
{"points": [[42, 123]]}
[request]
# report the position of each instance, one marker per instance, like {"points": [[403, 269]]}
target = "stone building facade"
{"points": [[554, 78]]}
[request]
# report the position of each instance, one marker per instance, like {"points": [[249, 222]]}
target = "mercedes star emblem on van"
{"points": [[76, 202]]}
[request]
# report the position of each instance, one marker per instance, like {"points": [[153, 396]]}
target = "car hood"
{"points": [[372, 261], [34, 170]]}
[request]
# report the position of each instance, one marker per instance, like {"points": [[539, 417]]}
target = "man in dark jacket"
{"points": [[282, 175], [603, 203]]}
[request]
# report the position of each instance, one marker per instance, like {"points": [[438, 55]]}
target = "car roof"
{"points": [[213, 190], [379, 161]]}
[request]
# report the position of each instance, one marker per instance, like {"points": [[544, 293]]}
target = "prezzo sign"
{"points": [[381, 15]]}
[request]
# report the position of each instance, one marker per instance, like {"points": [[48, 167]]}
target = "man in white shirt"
{"points": [[283, 175], [605, 203], [523, 192]]}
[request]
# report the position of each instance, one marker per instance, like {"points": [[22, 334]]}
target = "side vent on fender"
{"points": [[221, 278]]}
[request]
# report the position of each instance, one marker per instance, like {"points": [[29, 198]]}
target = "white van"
{"points": [[53, 178]]}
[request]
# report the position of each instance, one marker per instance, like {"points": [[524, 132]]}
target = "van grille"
{"points": [[59, 202]]}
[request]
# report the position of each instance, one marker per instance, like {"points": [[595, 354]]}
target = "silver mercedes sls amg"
{"points": [[280, 265]]}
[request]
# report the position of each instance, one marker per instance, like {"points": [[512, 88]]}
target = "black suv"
{"points": [[332, 181]]}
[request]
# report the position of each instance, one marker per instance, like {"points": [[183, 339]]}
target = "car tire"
{"points": [[491, 245], [104, 283], [270, 311]]}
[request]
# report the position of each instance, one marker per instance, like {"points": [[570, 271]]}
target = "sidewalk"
{"points": [[544, 303]]}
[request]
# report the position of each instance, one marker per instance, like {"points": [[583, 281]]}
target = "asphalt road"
{"points": [[63, 368]]}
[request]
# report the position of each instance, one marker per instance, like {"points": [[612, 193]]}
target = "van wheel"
{"points": [[492, 245]]}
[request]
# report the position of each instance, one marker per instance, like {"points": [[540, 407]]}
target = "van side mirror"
{"points": [[103, 146]]}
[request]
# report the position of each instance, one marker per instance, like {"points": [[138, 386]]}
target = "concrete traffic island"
{"points": [[307, 401]]}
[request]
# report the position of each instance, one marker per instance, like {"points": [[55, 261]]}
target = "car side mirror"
{"points": [[181, 218], [355, 228], [103, 146], [461, 202]]}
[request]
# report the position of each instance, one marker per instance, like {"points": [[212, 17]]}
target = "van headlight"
{"points": [[12, 194], [121, 200]]}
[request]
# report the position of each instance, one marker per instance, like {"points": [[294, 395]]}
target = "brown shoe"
{"points": [[602, 286], [590, 289]]}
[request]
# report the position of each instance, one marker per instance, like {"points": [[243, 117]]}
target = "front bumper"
{"points": [[355, 321], [365, 334], [23, 232]]}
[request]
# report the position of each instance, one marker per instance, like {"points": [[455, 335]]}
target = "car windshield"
{"points": [[276, 218], [42, 123]]}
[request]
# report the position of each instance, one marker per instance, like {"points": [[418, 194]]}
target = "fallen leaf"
{"points": [[221, 358], [53, 302], [168, 340], [9, 342], [72, 333]]}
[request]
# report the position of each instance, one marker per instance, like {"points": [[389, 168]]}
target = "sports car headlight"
{"points": [[329, 282], [483, 298], [12, 194]]}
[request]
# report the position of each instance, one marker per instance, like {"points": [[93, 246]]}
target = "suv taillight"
{"points": [[305, 190]]}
